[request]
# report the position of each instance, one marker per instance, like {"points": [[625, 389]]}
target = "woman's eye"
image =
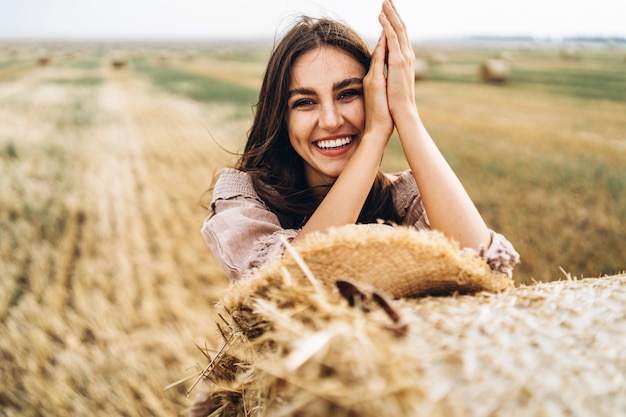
{"points": [[303, 103], [349, 94]]}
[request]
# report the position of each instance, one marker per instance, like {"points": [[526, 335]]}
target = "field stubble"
{"points": [[105, 282]]}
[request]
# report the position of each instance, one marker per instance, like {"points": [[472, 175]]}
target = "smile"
{"points": [[333, 143]]}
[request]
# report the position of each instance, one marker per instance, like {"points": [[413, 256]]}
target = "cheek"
{"points": [[355, 113], [299, 127], [294, 132]]}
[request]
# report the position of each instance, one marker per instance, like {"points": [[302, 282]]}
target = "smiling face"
{"points": [[326, 113]]}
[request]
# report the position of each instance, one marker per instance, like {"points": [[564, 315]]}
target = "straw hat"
{"points": [[399, 261]]}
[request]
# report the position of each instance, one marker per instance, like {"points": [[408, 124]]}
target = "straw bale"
{"points": [[43, 57], [118, 59], [438, 58], [421, 68], [571, 52], [294, 346], [495, 70]]}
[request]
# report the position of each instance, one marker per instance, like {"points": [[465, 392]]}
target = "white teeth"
{"points": [[334, 143]]}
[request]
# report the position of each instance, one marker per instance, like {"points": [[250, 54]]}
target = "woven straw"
{"points": [[399, 261]]}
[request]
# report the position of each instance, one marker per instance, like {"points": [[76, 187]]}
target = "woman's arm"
{"points": [[449, 207]]}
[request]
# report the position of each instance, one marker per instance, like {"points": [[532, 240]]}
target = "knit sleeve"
{"points": [[500, 254], [240, 230], [408, 201]]}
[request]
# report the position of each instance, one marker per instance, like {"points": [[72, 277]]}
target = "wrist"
{"points": [[406, 112], [375, 140]]}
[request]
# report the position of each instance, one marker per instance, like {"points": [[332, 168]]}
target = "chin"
{"points": [[334, 174]]}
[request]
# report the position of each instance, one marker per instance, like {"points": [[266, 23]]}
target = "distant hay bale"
{"points": [[118, 60], [571, 52], [438, 58], [526, 48], [421, 69], [495, 70], [294, 347], [225, 53], [163, 56], [43, 57]]}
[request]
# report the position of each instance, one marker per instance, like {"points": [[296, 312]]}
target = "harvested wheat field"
{"points": [[107, 290], [106, 283]]}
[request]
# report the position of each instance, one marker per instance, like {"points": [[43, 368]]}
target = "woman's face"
{"points": [[326, 113]]}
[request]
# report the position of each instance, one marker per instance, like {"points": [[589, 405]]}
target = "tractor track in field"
{"points": [[155, 161], [70, 256]]}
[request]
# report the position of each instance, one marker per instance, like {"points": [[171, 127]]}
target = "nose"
{"points": [[330, 117]]}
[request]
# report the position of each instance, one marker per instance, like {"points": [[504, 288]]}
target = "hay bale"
{"points": [[190, 55], [495, 70], [324, 318], [118, 59], [571, 52], [225, 53], [293, 348], [421, 69], [43, 57], [163, 56], [438, 58], [527, 48]]}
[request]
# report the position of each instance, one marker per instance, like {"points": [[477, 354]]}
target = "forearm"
{"points": [[448, 206], [344, 201]]}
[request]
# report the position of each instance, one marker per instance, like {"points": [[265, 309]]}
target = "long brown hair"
{"points": [[277, 171]]}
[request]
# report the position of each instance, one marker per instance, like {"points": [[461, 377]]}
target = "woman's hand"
{"points": [[378, 121], [400, 62]]}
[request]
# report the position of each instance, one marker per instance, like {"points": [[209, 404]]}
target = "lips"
{"points": [[332, 144]]}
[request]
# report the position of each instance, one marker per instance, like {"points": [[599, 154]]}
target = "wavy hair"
{"points": [[277, 171]]}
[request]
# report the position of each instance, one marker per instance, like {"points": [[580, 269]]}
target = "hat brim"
{"points": [[399, 261]]}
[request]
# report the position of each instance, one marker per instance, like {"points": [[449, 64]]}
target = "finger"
{"points": [[394, 46], [396, 22], [377, 65], [388, 30], [396, 19]]}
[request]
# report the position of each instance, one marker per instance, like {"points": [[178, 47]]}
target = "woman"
{"points": [[326, 111]]}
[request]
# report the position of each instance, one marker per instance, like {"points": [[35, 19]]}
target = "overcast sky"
{"points": [[183, 19]]}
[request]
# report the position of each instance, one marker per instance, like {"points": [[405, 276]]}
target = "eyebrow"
{"points": [[336, 86]]}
